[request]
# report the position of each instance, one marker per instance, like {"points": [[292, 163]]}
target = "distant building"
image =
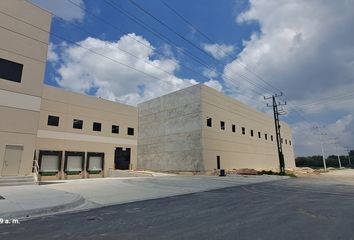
{"points": [[75, 136], [200, 129]]}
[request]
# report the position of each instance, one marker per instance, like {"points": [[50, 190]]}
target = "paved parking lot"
{"points": [[318, 207]]}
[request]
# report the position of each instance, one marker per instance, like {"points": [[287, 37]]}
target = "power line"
{"points": [[114, 26], [162, 37], [219, 48]]}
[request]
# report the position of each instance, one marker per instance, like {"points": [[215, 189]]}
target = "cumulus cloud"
{"points": [[303, 48], [214, 84], [63, 8], [308, 143], [218, 51], [210, 73], [82, 70], [52, 56]]}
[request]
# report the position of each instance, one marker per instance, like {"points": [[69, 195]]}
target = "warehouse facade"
{"points": [[83, 136], [200, 129], [71, 135], [23, 54]]}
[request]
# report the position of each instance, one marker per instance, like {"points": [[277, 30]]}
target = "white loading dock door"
{"points": [[50, 163], [95, 163], [74, 163], [12, 160]]}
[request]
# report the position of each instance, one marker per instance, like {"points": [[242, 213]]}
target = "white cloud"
{"points": [[52, 56], [218, 51], [214, 84], [308, 143], [83, 71], [303, 48], [63, 8], [210, 73]]}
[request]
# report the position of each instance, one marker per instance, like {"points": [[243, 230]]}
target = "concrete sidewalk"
{"points": [[32, 200], [83, 194]]}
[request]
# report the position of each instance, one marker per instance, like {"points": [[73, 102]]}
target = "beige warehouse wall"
{"points": [[68, 106], [25, 44], [235, 149], [20, 102], [85, 146]]}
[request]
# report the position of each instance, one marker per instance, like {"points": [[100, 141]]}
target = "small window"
{"points": [[290, 142], [251, 133], [209, 122], [77, 123], [10, 71], [130, 131], [53, 121], [286, 141], [259, 134], [281, 140], [271, 138], [243, 130], [115, 129], [96, 126], [222, 125], [266, 136], [233, 128]]}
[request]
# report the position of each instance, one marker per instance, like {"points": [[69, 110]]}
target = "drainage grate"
{"points": [[1, 197]]}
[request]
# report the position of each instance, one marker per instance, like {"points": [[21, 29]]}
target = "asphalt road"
{"points": [[287, 209]]}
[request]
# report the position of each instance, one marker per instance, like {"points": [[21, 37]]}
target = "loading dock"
{"points": [[122, 158]]}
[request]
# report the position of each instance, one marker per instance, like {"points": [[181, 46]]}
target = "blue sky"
{"points": [[222, 29], [252, 48]]}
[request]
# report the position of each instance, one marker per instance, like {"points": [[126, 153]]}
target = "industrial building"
{"points": [[71, 135], [200, 129]]}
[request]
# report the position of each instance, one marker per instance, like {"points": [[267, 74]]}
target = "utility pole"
{"points": [[348, 149], [320, 133], [276, 113], [337, 150]]}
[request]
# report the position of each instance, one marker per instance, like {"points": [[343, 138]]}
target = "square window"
{"points": [[243, 130], [115, 129], [266, 136], [96, 126], [209, 122], [251, 133], [53, 121], [259, 134], [233, 128], [77, 123], [10, 71], [130, 131], [222, 125]]}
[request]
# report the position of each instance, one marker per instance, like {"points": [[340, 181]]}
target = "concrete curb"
{"points": [[36, 212]]}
